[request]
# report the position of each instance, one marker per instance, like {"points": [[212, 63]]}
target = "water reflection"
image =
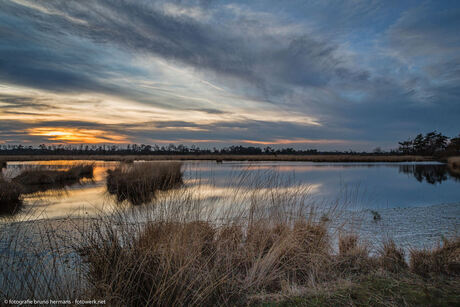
{"points": [[432, 174], [364, 185]]}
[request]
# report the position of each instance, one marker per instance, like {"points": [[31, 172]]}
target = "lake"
{"points": [[417, 203]]}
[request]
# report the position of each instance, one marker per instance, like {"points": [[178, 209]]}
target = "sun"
{"points": [[77, 135]]}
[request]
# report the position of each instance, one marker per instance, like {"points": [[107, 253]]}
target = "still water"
{"points": [[417, 202]]}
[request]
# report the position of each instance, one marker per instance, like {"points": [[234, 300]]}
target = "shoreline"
{"points": [[220, 158]]}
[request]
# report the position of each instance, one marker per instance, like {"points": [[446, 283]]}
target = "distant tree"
{"points": [[430, 144]]}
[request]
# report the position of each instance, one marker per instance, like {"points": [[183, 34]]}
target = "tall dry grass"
{"points": [[139, 182], [453, 164], [443, 259], [10, 193], [46, 176]]}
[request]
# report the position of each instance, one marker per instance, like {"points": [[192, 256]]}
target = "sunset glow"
{"points": [[77, 136]]}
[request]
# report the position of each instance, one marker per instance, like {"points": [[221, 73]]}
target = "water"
{"points": [[418, 202]]}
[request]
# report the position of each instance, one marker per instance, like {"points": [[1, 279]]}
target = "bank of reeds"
{"points": [[138, 182], [453, 164], [10, 193], [445, 259], [40, 179]]}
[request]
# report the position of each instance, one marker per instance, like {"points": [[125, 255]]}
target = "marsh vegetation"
{"points": [[269, 244], [139, 182], [34, 179]]}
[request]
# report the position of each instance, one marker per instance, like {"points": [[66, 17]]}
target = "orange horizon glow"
{"points": [[97, 136], [77, 136], [273, 142], [295, 141]]}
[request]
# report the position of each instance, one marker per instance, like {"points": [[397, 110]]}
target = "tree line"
{"points": [[431, 144], [142, 149]]}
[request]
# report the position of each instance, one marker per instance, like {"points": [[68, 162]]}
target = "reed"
{"points": [[453, 164], [392, 258], [138, 183], [445, 259], [41, 179], [10, 193], [40, 176]]}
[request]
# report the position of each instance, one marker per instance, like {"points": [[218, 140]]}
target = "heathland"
{"points": [[269, 246]]}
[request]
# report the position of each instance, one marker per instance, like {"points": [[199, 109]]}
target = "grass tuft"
{"points": [[353, 257], [445, 259], [391, 257]]}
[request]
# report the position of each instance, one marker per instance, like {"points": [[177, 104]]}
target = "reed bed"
{"points": [[10, 196], [37, 179], [40, 176], [138, 183]]}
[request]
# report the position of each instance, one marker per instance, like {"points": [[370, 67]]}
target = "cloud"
{"points": [[263, 71]]}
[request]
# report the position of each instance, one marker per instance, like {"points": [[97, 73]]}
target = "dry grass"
{"points": [[220, 158], [138, 183], [445, 259], [40, 176], [353, 257], [198, 263], [10, 193], [453, 164], [392, 258]]}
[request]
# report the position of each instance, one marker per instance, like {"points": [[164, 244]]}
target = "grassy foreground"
{"points": [[379, 289]]}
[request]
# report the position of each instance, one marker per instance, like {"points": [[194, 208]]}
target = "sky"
{"points": [[319, 74]]}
